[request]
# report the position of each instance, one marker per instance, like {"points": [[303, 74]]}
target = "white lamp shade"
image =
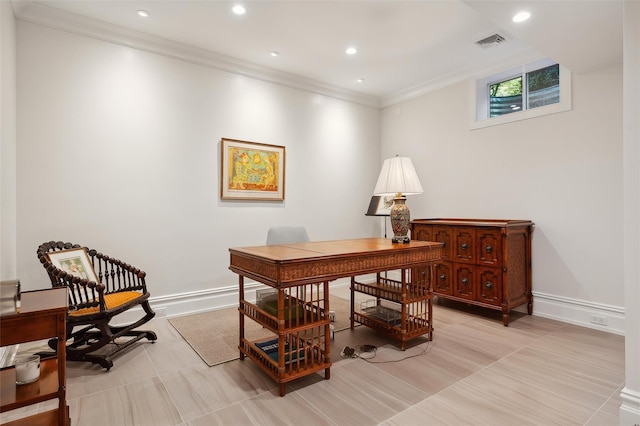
{"points": [[398, 176]]}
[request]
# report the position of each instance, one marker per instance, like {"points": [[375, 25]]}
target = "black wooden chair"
{"points": [[95, 298]]}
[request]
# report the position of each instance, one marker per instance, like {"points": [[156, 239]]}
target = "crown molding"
{"points": [[457, 77], [30, 11], [37, 13]]}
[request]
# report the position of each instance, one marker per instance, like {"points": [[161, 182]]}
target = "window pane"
{"points": [[543, 86], [505, 97]]}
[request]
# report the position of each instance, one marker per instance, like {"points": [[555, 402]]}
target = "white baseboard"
{"points": [[574, 311], [559, 308], [630, 407]]}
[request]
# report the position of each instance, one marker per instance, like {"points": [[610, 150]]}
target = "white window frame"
{"points": [[479, 109]]}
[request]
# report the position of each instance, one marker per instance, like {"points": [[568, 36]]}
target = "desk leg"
{"points": [[241, 315], [352, 301], [327, 331]]}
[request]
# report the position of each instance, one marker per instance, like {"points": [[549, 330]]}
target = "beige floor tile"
{"points": [[358, 394], [141, 404], [612, 406], [199, 390], [484, 408], [595, 348], [266, 409], [432, 412], [172, 355], [536, 403], [428, 367], [131, 366], [533, 363], [603, 419]]}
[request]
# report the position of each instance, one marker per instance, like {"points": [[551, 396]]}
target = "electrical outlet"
{"points": [[598, 319]]}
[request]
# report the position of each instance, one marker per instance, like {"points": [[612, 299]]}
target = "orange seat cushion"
{"points": [[112, 301]]}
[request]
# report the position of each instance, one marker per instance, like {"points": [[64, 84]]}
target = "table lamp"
{"points": [[398, 178]]}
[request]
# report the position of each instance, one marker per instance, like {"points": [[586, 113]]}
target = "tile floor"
{"points": [[475, 372]]}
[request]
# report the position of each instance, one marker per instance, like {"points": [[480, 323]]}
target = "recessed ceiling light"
{"points": [[360, 80], [521, 16], [239, 9], [143, 13], [274, 53], [351, 51]]}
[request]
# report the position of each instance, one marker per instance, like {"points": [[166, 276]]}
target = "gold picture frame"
{"points": [[251, 171], [75, 262]]}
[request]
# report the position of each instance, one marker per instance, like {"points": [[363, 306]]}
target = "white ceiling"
{"points": [[404, 47]]}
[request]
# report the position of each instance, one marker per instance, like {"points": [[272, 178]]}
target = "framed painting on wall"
{"points": [[251, 171], [75, 262]]}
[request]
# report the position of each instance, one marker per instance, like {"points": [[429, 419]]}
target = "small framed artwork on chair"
{"points": [[75, 262]]}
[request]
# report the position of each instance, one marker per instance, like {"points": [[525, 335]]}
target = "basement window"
{"points": [[532, 90]]}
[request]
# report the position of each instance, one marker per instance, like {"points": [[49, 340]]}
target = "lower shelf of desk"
{"points": [[413, 327], [43, 389], [305, 348]]}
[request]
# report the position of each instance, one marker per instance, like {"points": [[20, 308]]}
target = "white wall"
{"points": [[119, 150], [562, 171], [7, 142]]}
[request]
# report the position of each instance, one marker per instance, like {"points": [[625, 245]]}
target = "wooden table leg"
{"points": [[241, 315]]}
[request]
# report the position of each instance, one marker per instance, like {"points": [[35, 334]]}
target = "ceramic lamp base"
{"points": [[400, 216]]}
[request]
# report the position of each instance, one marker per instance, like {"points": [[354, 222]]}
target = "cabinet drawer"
{"points": [[442, 284], [464, 243], [489, 247], [489, 285], [464, 283]]}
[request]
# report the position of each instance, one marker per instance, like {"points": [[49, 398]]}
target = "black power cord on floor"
{"points": [[368, 352]]}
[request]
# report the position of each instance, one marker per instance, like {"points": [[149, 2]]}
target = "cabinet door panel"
{"points": [[442, 282], [489, 247], [464, 281], [442, 234], [422, 233], [464, 245], [489, 285]]}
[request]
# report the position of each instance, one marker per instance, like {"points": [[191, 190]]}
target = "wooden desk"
{"points": [[301, 273], [42, 315]]}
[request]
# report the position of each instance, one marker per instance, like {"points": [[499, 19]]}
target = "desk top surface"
{"points": [[287, 264], [335, 248]]}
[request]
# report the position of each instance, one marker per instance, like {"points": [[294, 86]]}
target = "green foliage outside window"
{"points": [[544, 78], [511, 87]]}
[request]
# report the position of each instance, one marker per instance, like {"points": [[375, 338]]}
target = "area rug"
{"points": [[214, 335]]}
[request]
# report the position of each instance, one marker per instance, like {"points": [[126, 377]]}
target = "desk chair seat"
{"points": [[92, 305]]}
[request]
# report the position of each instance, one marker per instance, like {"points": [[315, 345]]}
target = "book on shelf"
{"points": [[270, 347]]}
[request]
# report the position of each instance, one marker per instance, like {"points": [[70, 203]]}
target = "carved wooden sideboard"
{"points": [[300, 273], [486, 262]]}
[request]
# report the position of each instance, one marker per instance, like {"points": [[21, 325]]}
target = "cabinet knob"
{"points": [[443, 277], [488, 249], [489, 285], [464, 246], [465, 281]]}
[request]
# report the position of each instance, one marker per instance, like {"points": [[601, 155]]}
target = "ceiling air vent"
{"points": [[490, 41]]}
